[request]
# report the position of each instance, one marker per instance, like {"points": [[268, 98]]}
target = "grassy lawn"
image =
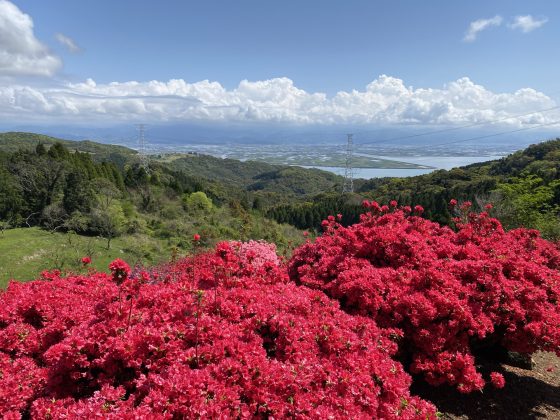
{"points": [[25, 252]]}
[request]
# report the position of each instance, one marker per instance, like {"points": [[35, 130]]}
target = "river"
{"points": [[438, 162]]}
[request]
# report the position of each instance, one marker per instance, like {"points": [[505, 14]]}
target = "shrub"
{"points": [[222, 334], [450, 293]]}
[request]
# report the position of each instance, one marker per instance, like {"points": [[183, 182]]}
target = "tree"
{"points": [[39, 178], [197, 203], [78, 195], [11, 199], [58, 151], [108, 223], [106, 193], [41, 150], [53, 217], [529, 202]]}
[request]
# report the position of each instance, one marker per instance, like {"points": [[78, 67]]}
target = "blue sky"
{"points": [[303, 58]]}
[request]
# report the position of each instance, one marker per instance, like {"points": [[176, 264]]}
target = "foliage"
{"points": [[226, 333], [473, 183], [204, 337], [530, 201], [14, 141], [310, 214], [449, 293], [257, 176], [197, 203], [64, 190], [506, 182]]}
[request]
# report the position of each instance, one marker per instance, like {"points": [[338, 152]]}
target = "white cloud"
{"points": [[67, 42], [527, 23], [386, 100], [21, 53], [480, 25]]}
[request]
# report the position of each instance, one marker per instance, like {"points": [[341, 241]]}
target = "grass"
{"points": [[25, 252]]}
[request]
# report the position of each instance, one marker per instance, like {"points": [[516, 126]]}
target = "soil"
{"points": [[528, 394]]}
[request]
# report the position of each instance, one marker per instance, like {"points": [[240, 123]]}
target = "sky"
{"points": [[369, 62]]}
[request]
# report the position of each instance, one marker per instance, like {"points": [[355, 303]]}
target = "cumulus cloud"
{"points": [[527, 23], [67, 42], [386, 100], [21, 53], [480, 25]]}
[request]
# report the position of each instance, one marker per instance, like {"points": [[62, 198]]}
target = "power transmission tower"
{"points": [[142, 146], [348, 172]]}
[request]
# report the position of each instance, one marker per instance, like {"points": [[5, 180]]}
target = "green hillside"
{"points": [[255, 175], [13, 141], [524, 189], [57, 203]]}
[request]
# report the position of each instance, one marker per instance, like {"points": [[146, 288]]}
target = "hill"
{"points": [[249, 175], [13, 141], [254, 175], [146, 214], [524, 188]]}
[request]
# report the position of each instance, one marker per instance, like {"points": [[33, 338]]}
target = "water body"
{"points": [[437, 162]]}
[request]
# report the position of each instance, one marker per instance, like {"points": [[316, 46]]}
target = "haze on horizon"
{"points": [[265, 65]]}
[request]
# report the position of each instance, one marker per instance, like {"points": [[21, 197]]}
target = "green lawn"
{"points": [[25, 252]]}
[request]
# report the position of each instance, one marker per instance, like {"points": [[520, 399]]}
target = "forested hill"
{"points": [[99, 190], [254, 175], [523, 187], [273, 183], [14, 141]]}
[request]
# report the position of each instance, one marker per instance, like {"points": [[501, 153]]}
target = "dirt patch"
{"points": [[528, 394]]}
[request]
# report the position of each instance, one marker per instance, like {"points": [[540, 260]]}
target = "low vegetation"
{"points": [[361, 309]]}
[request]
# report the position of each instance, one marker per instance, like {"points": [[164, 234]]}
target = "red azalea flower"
{"points": [[497, 380], [196, 237], [466, 205], [86, 260], [120, 270]]}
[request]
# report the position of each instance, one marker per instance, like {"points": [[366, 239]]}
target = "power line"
{"points": [[142, 146], [496, 134], [445, 130], [348, 186]]}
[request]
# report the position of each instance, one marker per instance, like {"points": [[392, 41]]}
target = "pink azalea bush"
{"points": [[449, 293], [223, 334]]}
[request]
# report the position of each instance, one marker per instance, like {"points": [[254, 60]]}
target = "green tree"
{"points": [[41, 150], [197, 203], [78, 195], [11, 199], [529, 202], [108, 223]]}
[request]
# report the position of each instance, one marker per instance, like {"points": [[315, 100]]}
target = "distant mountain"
{"points": [[180, 135]]}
